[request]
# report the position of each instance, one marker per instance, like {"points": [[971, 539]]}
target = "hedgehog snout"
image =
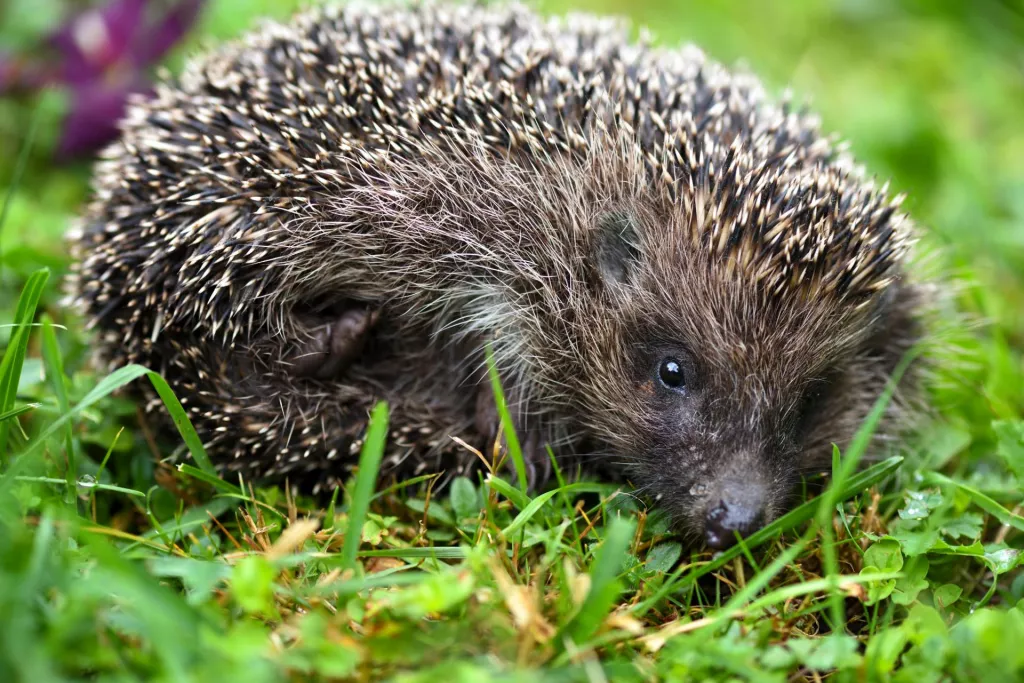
{"points": [[737, 508]]}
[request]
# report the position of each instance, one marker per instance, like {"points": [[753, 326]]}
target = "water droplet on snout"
{"points": [[698, 489]]}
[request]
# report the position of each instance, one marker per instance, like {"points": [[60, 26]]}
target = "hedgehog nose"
{"points": [[737, 511]]}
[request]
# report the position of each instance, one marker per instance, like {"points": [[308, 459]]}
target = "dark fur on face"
{"points": [[681, 280], [770, 382]]}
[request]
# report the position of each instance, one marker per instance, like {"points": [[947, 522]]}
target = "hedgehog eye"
{"points": [[671, 374]]}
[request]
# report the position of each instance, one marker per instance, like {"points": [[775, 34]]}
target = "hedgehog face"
{"points": [[719, 453], [720, 395]]}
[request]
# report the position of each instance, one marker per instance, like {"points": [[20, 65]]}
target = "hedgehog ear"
{"points": [[616, 248], [896, 327]]}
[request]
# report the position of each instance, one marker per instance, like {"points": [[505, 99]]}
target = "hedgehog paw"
{"points": [[333, 347]]}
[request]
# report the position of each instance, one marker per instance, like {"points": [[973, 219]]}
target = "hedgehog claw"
{"points": [[538, 465], [334, 346]]}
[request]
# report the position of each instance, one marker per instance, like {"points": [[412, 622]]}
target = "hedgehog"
{"points": [[685, 285]]}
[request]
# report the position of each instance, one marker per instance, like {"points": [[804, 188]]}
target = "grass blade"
{"points": [[184, 425], [105, 387], [366, 478], [159, 611], [19, 170], [604, 584], [14, 355], [212, 479], [518, 498], [514, 449], [783, 593], [74, 485], [534, 506], [20, 410], [193, 518], [980, 499], [527, 513], [859, 444], [54, 364], [438, 553], [764, 577], [842, 468]]}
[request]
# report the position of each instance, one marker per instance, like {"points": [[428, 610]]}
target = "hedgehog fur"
{"points": [[684, 283]]}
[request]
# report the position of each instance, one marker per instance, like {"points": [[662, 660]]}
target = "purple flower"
{"points": [[102, 56]]}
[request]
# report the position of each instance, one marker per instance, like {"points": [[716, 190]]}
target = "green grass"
{"points": [[115, 565]]}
